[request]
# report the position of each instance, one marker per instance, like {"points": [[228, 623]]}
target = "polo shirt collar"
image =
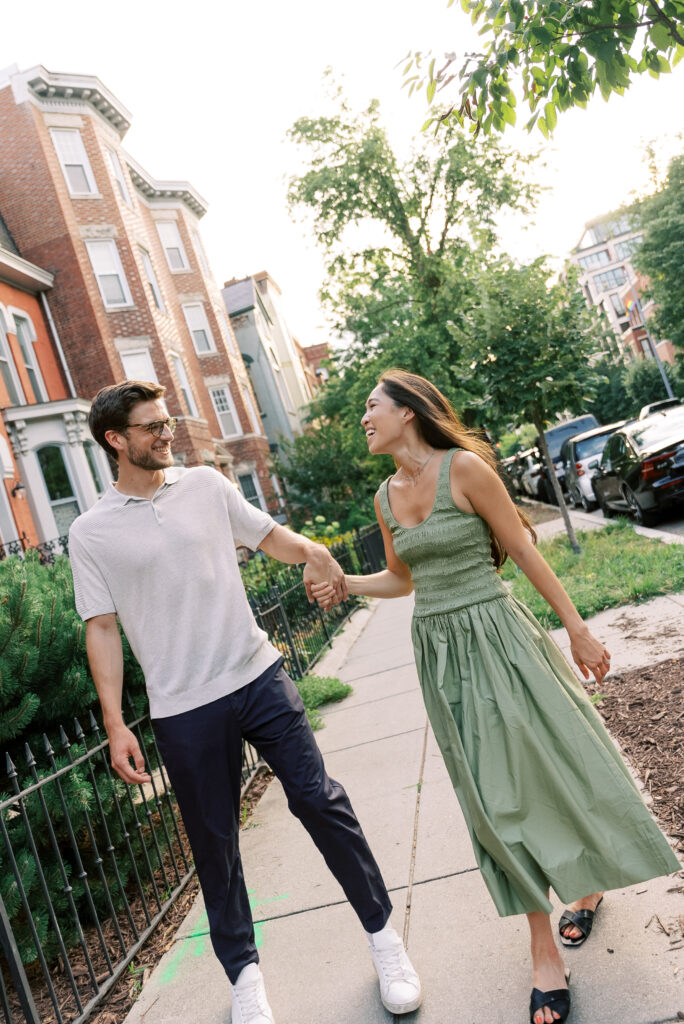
{"points": [[116, 499]]}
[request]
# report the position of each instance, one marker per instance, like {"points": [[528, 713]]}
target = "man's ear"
{"points": [[115, 439]]}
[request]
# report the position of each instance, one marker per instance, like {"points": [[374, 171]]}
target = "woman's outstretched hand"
{"points": [[590, 655], [325, 594]]}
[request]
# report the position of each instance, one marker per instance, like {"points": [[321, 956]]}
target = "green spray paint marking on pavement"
{"points": [[259, 926], [194, 945], [197, 942]]}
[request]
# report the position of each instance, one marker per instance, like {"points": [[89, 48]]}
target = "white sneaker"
{"points": [[250, 1005], [399, 984]]}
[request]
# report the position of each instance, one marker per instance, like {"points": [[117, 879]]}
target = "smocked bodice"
{"points": [[449, 553]]}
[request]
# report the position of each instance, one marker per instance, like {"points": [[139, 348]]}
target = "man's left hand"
{"points": [[321, 567]]}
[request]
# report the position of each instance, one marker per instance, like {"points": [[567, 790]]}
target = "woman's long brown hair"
{"points": [[439, 425]]}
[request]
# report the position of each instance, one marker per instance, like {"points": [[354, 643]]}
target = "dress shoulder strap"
{"points": [[443, 498], [390, 521]]}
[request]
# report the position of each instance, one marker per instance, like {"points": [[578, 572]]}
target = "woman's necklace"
{"points": [[414, 477]]}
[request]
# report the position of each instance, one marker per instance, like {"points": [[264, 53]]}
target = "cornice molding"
{"points": [[153, 190], [48, 85]]}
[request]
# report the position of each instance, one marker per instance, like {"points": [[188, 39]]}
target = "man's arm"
{"points": [[105, 656], [320, 566]]}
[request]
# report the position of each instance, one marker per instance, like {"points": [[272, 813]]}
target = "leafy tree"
{"points": [[611, 402], [517, 440], [660, 256], [643, 383], [393, 300], [532, 346], [562, 51]]}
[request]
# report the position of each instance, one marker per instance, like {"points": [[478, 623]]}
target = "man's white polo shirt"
{"points": [[168, 567]]}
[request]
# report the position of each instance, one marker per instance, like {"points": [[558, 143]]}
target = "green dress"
{"points": [[546, 796]]}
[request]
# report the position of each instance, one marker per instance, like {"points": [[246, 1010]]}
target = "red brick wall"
{"points": [[47, 224]]}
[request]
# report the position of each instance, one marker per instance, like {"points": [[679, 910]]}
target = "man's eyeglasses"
{"points": [[156, 427]]}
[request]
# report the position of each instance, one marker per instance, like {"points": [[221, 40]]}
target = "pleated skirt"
{"points": [[548, 801]]}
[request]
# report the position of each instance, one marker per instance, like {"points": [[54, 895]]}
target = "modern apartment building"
{"points": [[280, 379], [132, 293], [603, 255], [611, 282]]}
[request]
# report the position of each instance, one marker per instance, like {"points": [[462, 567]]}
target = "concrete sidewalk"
{"points": [[473, 965]]}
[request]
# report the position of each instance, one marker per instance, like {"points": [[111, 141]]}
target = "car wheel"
{"points": [[641, 516], [607, 511], [586, 503]]}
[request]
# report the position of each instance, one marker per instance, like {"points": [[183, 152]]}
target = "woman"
{"points": [[547, 799]]}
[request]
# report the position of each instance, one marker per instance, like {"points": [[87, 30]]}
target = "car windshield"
{"points": [[591, 446], [659, 429], [557, 435]]}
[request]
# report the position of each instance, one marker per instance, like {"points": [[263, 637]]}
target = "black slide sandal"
{"points": [[557, 1000], [582, 919]]}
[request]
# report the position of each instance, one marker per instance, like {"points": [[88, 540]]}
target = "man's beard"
{"points": [[149, 459]]}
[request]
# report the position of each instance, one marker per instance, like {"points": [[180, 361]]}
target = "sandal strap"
{"points": [[582, 919], [557, 998]]}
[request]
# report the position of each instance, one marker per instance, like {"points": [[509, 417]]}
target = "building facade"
{"points": [[132, 295], [612, 284], [52, 470], [280, 379]]}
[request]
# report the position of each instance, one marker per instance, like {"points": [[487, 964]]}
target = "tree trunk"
{"points": [[551, 471]]}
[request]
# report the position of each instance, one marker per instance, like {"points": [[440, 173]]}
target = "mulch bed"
{"points": [[644, 710]]}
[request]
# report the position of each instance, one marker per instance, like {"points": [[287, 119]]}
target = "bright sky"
{"points": [[214, 88]]}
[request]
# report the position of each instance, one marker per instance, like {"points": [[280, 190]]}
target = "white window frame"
{"points": [[257, 486], [252, 412], [184, 383], [199, 249], [189, 311], [7, 357], [152, 280], [151, 376], [31, 364], [231, 408], [61, 133], [118, 175], [98, 245], [164, 224]]}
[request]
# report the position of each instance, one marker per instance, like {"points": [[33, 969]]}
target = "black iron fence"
{"points": [[47, 551], [89, 865]]}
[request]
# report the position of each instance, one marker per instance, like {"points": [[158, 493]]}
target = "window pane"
{"points": [[201, 341], [248, 488], [138, 366], [55, 474], [224, 411], [78, 181], [173, 246], [112, 290], [92, 465], [5, 367], [175, 258], [25, 340]]}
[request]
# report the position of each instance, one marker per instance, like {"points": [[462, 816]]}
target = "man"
{"points": [[158, 552]]}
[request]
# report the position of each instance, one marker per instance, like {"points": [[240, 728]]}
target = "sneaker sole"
{"points": [[401, 1008]]}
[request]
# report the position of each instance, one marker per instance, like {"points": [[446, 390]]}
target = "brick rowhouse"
{"points": [[133, 295]]}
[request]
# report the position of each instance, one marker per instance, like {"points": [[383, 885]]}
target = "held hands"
{"points": [[321, 570], [325, 594], [590, 655], [124, 747]]}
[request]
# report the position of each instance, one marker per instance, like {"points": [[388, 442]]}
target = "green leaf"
{"points": [[431, 87]]}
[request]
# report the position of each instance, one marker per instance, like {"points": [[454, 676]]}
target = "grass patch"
{"points": [[317, 690], [616, 566]]}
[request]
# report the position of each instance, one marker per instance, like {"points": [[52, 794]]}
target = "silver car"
{"points": [[577, 452]]}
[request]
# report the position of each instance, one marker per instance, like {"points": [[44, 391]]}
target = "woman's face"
{"points": [[384, 422]]}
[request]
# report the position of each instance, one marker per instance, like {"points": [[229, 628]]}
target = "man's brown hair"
{"points": [[112, 406]]}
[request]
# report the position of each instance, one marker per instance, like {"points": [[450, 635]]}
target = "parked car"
{"points": [[642, 467], [511, 474], [576, 454], [530, 474], [664, 403], [554, 438]]}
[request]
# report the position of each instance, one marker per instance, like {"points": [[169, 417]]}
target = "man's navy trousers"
{"points": [[202, 750]]}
